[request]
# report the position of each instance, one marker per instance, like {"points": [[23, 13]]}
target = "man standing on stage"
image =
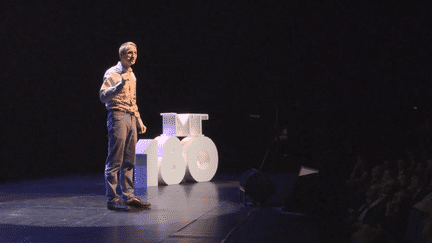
{"points": [[118, 92]]}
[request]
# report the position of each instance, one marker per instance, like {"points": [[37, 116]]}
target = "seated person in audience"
{"points": [[429, 167], [420, 170], [367, 234], [371, 218], [358, 174], [375, 213], [412, 166], [422, 220], [403, 181], [396, 216], [401, 164], [403, 186], [385, 165], [387, 175], [372, 194], [358, 184], [359, 195], [427, 229], [429, 186], [376, 175], [417, 188]]}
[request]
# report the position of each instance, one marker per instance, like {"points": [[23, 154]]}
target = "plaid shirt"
{"points": [[117, 96]]}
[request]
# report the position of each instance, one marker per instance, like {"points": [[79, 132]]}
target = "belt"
{"points": [[128, 112]]}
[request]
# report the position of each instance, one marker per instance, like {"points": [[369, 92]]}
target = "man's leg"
{"points": [[127, 169], [116, 125]]}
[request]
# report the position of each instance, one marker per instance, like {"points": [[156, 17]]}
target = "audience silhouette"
{"points": [[392, 201]]}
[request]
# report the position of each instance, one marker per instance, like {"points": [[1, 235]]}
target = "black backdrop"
{"points": [[329, 72]]}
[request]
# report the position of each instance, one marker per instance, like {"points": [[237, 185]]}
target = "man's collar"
{"points": [[122, 69]]}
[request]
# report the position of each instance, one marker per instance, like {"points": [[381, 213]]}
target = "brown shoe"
{"points": [[117, 205], [137, 203]]}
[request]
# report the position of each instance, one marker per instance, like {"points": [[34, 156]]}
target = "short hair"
{"points": [[124, 47]]}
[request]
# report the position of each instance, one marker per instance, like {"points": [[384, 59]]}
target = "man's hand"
{"points": [[142, 129], [126, 77]]}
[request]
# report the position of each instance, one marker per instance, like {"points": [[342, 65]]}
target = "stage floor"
{"points": [[73, 209]]}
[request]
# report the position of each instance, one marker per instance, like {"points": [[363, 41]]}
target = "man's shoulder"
{"points": [[113, 71]]}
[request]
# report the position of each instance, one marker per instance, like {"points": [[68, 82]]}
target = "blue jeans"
{"points": [[122, 138]]}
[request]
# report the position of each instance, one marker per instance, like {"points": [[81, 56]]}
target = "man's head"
{"points": [[128, 54]]}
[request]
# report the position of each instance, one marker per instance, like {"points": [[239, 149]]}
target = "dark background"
{"points": [[343, 78]]}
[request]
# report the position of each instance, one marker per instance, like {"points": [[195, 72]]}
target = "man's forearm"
{"points": [[137, 115], [107, 94], [140, 125], [140, 122]]}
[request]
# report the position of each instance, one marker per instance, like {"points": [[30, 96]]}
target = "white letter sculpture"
{"points": [[166, 160]]}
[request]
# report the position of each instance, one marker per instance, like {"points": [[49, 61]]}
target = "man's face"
{"points": [[128, 59]]}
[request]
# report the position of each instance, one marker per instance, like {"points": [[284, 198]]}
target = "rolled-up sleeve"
{"points": [[109, 88]]}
